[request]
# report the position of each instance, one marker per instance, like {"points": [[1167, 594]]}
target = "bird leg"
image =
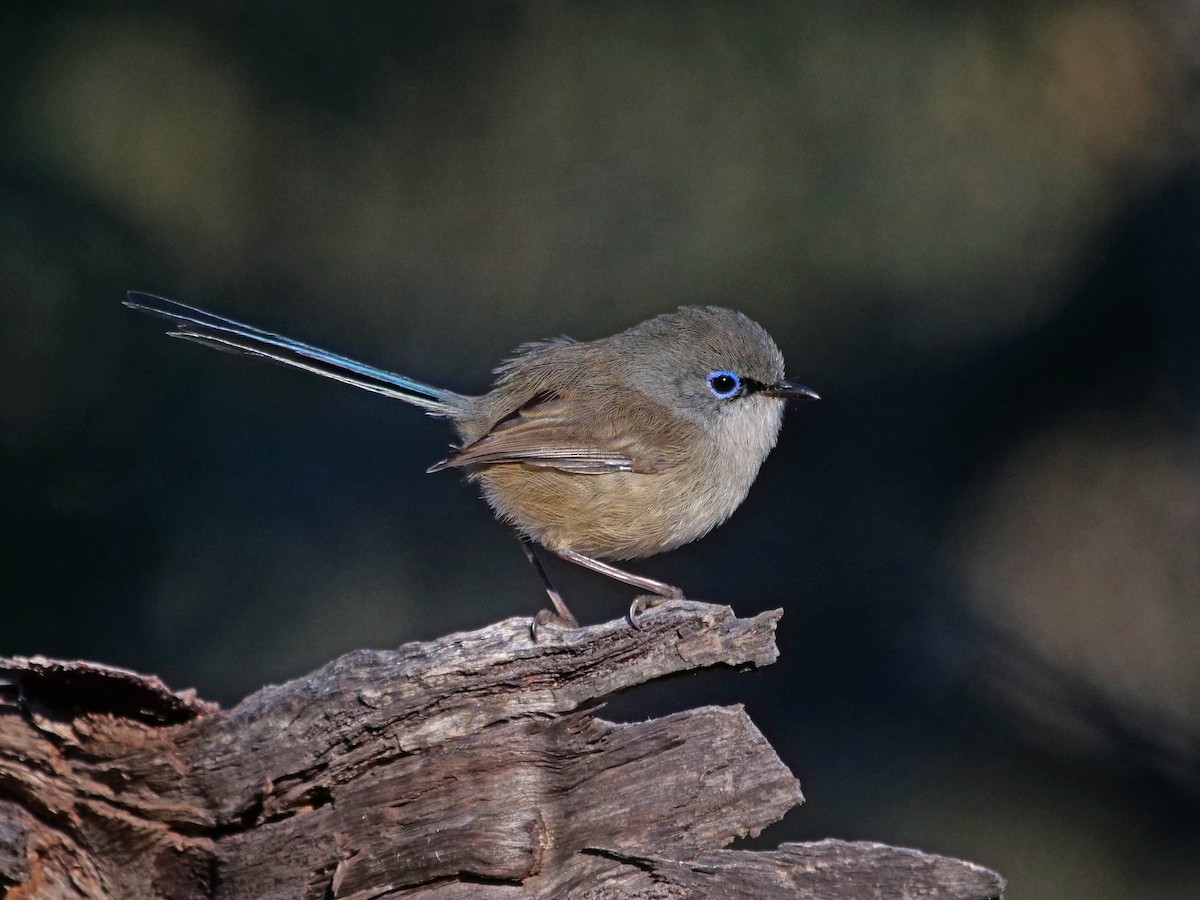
{"points": [[662, 590], [561, 616]]}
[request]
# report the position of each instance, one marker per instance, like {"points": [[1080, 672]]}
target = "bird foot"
{"points": [[645, 602], [554, 620]]}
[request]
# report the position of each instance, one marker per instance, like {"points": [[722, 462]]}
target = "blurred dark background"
{"points": [[973, 227]]}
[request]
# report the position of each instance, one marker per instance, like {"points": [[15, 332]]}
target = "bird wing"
{"points": [[552, 433]]}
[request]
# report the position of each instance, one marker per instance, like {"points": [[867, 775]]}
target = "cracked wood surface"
{"points": [[468, 766]]}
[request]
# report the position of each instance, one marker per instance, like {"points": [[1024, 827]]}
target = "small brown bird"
{"points": [[617, 448]]}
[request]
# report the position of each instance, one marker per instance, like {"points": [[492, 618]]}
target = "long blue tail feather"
{"points": [[211, 330]]}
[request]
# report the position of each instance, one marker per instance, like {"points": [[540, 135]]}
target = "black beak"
{"points": [[789, 389]]}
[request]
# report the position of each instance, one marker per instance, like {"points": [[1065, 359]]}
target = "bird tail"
{"points": [[215, 331]]}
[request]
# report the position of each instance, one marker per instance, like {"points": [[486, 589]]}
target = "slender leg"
{"points": [[640, 604], [561, 616]]}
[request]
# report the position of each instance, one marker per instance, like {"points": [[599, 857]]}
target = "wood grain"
{"points": [[469, 766]]}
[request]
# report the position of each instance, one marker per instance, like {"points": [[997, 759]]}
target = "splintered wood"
{"points": [[469, 766]]}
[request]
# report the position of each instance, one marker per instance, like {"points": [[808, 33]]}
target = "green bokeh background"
{"points": [[973, 227]]}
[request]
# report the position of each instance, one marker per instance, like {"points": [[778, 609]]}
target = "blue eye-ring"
{"points": [[724, 384]]}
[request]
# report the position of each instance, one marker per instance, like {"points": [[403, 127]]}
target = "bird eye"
{"points": [[724, 384]]}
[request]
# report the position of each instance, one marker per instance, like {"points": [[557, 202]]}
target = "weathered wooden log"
{"points": [[469, 766]]}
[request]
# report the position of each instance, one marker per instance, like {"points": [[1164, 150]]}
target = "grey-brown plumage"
{"points": [[616, 448]]}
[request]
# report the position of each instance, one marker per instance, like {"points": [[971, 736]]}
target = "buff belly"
{"points": [[618, 515]]}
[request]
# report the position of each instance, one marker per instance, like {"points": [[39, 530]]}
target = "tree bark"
{"points": [[469, 766]]}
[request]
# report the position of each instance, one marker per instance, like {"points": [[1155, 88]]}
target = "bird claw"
{"points": [[645, 602], [548, 617]]}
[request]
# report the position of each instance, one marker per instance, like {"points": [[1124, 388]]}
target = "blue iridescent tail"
{"points": [[215, 331]]}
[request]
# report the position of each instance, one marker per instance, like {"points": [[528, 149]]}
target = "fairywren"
{"points": [[617, 448]]}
